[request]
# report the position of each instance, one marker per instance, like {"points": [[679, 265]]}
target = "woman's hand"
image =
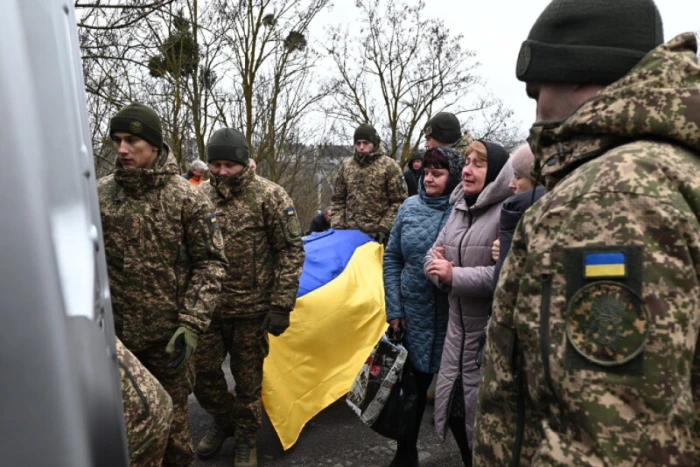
{"points": [[397, 323], [441, 268], [496, 249]]}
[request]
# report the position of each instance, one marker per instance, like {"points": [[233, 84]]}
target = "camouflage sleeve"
{"points": [[339, 200], [494, 431], [207, 262], [396, 193], [284, 234], [148, 410]]}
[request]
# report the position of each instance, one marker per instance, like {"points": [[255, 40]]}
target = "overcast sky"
{"points": [[494, 29]]}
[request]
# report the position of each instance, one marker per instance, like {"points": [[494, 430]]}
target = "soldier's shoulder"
{"points": [[390, 163], [105, 181], [269, 188]]}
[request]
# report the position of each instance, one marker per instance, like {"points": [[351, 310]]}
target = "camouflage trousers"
{"points": [[178, 382], [148, 411], [245, 341]]}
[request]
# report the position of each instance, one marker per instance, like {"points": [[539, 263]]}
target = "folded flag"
{"points": [[338, 318]]}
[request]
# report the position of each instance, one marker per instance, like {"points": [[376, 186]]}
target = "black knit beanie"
{"points": [[444, 127], [589, 42], [228, 144], [139, 120], [366, 132]]}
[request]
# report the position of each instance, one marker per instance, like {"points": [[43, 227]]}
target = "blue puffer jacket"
{"points": [[408, 293]]}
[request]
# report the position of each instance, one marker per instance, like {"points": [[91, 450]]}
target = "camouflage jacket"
{"points": [[368, 193], [263, 243], [592, 354], [148, 410], [164, 251], [464, 143]]}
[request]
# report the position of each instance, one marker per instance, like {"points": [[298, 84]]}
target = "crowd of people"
{"points": [[555, 292]]}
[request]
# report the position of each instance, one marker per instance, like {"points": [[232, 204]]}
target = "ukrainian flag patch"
{"points": [[290, 211], [212, 218], [608, 264]]}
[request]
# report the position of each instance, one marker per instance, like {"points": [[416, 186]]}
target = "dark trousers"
{"points": [[458, 427], [406, 449]]}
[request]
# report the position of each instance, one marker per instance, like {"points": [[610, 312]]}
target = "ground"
{"points": [[334, 438]]}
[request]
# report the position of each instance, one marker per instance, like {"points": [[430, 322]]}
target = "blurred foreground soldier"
{"points": [[263, 240], [369, 188], [413, 173], [444, 129], [165, 261], [148, 411], [321, 221], [195, 175], [592, 357]]}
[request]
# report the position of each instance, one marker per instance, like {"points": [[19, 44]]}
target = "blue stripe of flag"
{"points": [[605, 258]]}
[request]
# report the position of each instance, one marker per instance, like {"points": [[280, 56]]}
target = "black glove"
{"points": [[382, 237], [276, 322]]}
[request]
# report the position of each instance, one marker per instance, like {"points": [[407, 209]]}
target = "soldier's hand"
{"points": [[182, 345], [276, 322], [381, 237]]}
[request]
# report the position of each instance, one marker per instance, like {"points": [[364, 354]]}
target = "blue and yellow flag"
{"points": [[338, 319]]}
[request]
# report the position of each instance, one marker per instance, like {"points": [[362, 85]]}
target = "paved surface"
{"points": [[334, 438]]}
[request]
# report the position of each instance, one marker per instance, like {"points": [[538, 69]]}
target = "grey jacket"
{"points": [[467, 238]]}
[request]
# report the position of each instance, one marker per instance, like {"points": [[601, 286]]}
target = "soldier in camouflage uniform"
{"points": [[148, 411], [263, 241], [592, 354], [165, 261], [369, 188], [444, 129]]}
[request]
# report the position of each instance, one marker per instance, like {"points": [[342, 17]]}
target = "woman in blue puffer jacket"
{"points": [[412, 301]]}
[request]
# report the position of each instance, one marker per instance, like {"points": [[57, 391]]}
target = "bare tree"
{"points": [[401, 68]]}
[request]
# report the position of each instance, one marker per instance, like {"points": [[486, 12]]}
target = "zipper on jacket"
{"points": [[546, 280], [136, 387], [255, 271]]}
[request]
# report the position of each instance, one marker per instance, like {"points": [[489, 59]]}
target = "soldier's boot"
{"points": [[246, 454], [211, 444]]}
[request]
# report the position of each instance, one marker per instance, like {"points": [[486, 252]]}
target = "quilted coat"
{"points": [[408, 293]]}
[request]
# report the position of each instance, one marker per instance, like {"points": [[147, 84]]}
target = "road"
{"points": [[334, 438]]}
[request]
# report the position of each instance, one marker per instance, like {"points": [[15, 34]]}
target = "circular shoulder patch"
{"points": [[136, 127], [607, 323], [524, 58]]}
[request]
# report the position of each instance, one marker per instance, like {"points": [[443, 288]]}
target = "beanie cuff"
{"points": [[136, 127], [540, 62], [238, 154]]}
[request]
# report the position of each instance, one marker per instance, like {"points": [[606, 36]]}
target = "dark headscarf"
{"points": [[496, 158]]}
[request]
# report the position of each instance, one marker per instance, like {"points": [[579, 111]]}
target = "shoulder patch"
{"points": [[290, 211], [605, 264]]}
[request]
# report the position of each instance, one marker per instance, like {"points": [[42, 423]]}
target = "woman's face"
{"points": [[474, 174], [435, 181], [520, 184]]}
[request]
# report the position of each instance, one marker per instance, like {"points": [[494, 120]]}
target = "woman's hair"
{"points": [[435, 159], [479, 148], [199, 165]]}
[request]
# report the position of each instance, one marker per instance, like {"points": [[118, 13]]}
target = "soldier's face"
{"points": [[431, 143], [558, 101], [364, 147], [225, 168], [520, 184], [435, 181], [134, 152], [474, 174]]}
